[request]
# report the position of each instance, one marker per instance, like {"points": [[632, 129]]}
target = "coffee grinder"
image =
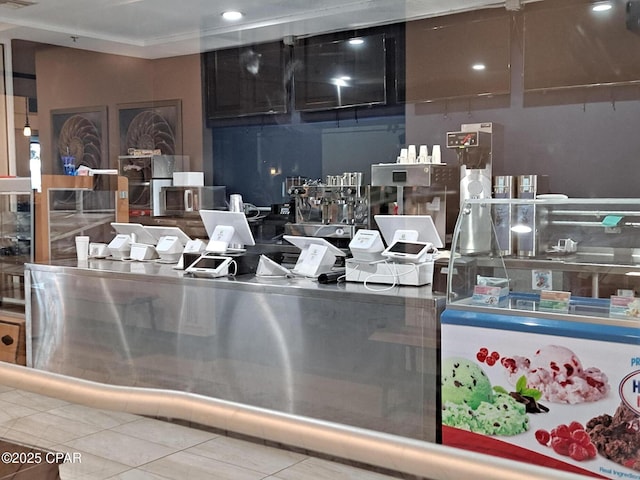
{"points": [[474, 146]]}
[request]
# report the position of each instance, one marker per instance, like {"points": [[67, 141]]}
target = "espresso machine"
{"points": [[333, 209], [475, 147]]}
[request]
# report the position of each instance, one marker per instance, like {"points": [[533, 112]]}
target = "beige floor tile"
{"points": [[25, 438], [134, 474], [187, 466], [318, 469], [51, 428], [31, 400], [121, 448], [87, 465], [254, 456], [10, 411], [104, 419], [165, 433]]}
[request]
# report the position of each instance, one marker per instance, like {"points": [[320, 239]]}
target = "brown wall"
{"points": [[70, 78]]}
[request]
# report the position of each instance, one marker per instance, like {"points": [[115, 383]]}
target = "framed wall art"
{"points": [[153, 125], [82, 134]]}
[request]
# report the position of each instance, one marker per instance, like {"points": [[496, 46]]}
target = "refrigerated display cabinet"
{"points": [[539, 338], [15, 238]]}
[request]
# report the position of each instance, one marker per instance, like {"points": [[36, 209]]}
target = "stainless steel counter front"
{"points": [[337, 352]]}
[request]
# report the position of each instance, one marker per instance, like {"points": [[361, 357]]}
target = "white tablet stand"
{"points": [[366, 245], [120, 246], [317, 255], [220, 239], [170, 242], [269, 268]]}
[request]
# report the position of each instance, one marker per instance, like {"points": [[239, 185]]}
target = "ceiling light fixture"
{"points": [[520, 228], [26, 131], [356, 41], [479, 66], [601, 6], [232, 15]]}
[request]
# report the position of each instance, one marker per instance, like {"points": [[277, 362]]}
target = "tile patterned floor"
{"points": [[120, 446]]}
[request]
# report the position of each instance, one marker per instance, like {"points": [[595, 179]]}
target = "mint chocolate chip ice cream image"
{"points": [[470, 403]]}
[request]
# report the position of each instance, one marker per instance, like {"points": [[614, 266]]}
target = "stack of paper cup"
{"points": [[411, 154], [423, 156], [436, 154]]}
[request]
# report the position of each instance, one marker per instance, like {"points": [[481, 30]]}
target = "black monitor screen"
{"points": [[208, 262], [340, 73], [245, 81], [408, 248]]}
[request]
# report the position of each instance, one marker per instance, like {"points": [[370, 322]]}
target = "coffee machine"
{"points": [[475, 145], [333, 209]]}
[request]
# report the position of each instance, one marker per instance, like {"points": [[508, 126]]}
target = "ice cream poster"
{"points": [[566, 403]]}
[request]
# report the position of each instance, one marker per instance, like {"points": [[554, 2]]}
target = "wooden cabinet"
{"points": [[58, 220], [12, 338]]}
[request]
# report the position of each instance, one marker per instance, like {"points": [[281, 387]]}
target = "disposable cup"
{"points": [[82, 247], [235, 203]]}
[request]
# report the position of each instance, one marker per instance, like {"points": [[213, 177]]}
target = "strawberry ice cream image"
{"points": [[558, 373]]}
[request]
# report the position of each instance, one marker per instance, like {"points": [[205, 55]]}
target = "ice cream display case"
{"points": [[539, 350]]}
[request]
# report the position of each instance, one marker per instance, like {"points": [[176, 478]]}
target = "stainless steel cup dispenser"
{"points": [[504, 187], [529, 186]]}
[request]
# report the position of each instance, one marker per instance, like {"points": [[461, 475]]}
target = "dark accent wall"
{"points": [[584, 138]]}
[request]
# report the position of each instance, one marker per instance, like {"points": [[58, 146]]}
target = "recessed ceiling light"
{"points": [[478, 66], [601, 6], [519, 228], [232, 15], [340, 81]]}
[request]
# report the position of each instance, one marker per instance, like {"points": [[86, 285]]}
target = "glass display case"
{"points": [[77, 205], [580, 256], [15, 238], [542, 316]]}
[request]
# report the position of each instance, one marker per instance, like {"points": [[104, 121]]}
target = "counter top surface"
{"points": [[298, 285]]}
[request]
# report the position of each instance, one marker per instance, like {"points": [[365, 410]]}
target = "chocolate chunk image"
{"points": [[617, 437]]}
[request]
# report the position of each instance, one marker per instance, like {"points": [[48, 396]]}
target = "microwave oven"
{"points": [[184, 200]]}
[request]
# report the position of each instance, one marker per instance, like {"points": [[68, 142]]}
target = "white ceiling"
{"points": [[165, 28]]}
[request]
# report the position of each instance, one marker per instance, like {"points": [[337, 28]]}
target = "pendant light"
{"points": [[26, 131]]}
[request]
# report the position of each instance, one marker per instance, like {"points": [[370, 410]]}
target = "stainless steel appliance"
{"points": [[526, 237], [184, 200], [475, 145], [504, 187], [417, 189], [331, 209], [147, 175]]}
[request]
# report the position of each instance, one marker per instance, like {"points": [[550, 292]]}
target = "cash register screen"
{"points": [[208, 262], [406, 247]]}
